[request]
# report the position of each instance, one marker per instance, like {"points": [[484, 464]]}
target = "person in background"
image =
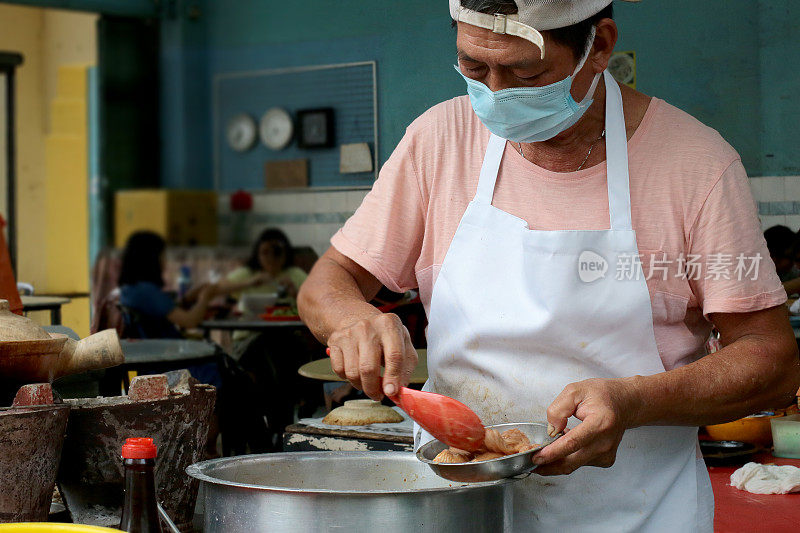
{"points": [[272, 358], [269, 269], [784, 249], [149, 311]]}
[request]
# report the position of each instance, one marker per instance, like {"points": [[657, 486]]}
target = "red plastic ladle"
{"points": [[447, 419]]}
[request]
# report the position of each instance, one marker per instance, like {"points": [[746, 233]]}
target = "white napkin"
{"points": [[767, 479], [794, 309]]}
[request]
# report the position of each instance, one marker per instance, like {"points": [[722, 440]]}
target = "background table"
{"points": [[155, 356], [247, 324], [738, 511], [321, 369], [45, 303], [151, 351]]}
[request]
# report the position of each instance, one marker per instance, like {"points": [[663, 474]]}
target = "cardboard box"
{"points": [[181, 217]]}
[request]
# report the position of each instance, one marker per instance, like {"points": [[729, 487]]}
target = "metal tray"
{"points": [[494, 469]]}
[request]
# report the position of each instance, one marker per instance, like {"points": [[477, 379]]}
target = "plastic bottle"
{"points": [[184, 281], [140, 510]]}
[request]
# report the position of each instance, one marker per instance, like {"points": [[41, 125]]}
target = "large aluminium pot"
{"points": [[381, 492]]}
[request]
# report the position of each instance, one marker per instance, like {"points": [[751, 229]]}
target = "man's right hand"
{"points": [[358, 351]]}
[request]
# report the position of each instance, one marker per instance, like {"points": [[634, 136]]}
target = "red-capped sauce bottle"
{"points": [[140, 511]]}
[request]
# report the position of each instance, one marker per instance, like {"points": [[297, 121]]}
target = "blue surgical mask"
{"points": [[530, 114]]}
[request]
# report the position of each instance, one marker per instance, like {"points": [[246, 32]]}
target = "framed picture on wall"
{"points": [[316, 128]]}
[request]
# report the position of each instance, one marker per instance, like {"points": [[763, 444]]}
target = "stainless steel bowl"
{"points": [[348, 491], [494, 469]]}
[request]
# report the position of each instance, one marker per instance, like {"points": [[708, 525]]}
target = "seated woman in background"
{"points": [[273, 357], [148, 311], [269, 269]]}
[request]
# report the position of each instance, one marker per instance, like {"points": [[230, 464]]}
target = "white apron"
{"points": [[512, 323]]}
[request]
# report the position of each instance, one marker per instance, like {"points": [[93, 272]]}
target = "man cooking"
{"points": [[568, 236]]}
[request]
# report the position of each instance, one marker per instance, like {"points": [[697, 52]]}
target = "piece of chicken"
{"points": [[495, 446], [460, 451], [516, 440], [487, 456], [494, 442], [450, 457]]}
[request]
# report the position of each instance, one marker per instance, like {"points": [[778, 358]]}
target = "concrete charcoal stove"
{"points": [[32, 429], [91, 473], [31, 436]]}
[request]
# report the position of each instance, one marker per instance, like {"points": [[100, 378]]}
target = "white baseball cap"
{"points": [[532, 17]]}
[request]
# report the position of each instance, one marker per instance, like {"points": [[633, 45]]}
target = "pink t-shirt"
{"points": [[690, 199]]}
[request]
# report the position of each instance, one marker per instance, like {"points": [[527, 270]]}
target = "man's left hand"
{"points": [[605, 407]]}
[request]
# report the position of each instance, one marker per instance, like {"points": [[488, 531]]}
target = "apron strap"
{"points": [[619, 195], [490, 169]]}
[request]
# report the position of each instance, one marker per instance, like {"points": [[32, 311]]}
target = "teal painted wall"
{"points": [[316, 33], [702, 57], [251, 36], [730, 63], [185, 103], [779, 54]]}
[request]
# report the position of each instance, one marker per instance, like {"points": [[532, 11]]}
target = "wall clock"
{"points": [[276, 128], [241, 132], [315, 128], [622, 66]]}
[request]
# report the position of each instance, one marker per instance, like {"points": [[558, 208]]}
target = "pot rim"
{"points": [[198, 471], [32, 347], [33, 409]]}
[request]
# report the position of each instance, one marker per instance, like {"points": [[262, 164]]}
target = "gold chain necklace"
{"points": [[519, 147]]}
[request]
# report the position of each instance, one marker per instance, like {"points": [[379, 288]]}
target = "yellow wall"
{"points": [[52, 173], [21, 31], [66, 170], [69, 38]]}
